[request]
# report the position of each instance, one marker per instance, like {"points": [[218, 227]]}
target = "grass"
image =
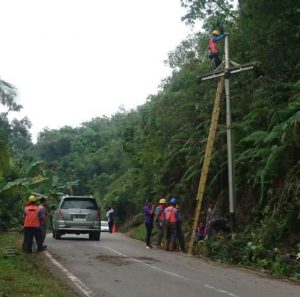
{"points": [[25, 275], [138, 232]]}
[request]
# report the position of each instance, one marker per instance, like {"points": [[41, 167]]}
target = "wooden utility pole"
{"points": [[224, 75]]}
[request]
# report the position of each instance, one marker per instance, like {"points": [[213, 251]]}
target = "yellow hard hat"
{"points": [[162, 200], [32, 198], [216, 32]]}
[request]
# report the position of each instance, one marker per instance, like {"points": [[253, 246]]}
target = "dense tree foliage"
{"points": [[14, 140], [157, 150]]}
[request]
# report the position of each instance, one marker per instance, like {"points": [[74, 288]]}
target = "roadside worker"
{"points": [[44, 208], [110, 218], [159, 215], [149, 217], [179, 233], [170, 219], [200, 232], [33, 216], [213, 52]]}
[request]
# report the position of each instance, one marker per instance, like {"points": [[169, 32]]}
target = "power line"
{"points": [[278, 82]]}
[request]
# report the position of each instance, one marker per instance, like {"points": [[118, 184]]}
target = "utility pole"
{"points": [[225, 73], [230, 146]]}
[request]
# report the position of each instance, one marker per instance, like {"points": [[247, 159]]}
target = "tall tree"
{"points": [[7, 99]]}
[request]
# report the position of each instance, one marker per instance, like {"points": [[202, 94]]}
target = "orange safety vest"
{"points": [[212, 46], [31, 216], [170, 214]]}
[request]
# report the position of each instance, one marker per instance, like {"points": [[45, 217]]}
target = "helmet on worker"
{"points": [[216, 32], [173, 201], [162, 201], [32, 198]]}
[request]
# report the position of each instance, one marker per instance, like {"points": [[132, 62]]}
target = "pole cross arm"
{"points": [[232, 70]]}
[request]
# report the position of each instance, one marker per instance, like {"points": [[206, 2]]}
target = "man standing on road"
{"points": [[33, 216], [149, 217], [110, 218], [170, 219], [159, 215]]}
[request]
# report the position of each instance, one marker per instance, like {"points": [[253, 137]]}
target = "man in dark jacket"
{"points": [[179, 232], [149, 217]]}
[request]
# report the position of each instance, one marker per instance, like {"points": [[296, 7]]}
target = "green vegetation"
{"points": [[23, 275], [240, 250], [138, 232], [157, 150]]}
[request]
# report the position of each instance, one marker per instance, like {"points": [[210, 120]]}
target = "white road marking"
{"points": [[169, 272], [78, 283]]}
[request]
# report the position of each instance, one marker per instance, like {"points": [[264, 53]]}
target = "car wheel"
{"points": [[57, 235], [97, 236], [94, 236]]}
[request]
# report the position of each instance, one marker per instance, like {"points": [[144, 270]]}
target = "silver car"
{"points": [[77, 215], [104, 226]]}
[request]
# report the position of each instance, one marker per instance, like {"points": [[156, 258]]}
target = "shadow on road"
{"points": [[74, 238]]}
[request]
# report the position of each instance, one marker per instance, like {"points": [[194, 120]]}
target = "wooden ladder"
{"points": [[207, 159]]}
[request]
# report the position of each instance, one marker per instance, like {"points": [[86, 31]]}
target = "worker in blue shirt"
{"points": [[213, 51]]}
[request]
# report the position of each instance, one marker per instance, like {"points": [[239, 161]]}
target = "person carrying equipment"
{"points": [[159, 215], [213, 51], [170, 219], [33, 217]]}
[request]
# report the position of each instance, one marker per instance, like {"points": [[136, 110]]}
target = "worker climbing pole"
{"points": [[223, 73]]}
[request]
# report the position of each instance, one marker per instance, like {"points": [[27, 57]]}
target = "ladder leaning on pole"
{"points": [[207, 158]]}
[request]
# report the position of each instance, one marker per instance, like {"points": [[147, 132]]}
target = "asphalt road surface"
{"points": [[118, 266]]}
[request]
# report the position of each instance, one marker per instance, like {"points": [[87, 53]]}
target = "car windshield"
{"points": [[104, 223], [79, 203]]}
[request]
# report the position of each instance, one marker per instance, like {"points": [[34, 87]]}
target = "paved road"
{"points": [[118, 266]]}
